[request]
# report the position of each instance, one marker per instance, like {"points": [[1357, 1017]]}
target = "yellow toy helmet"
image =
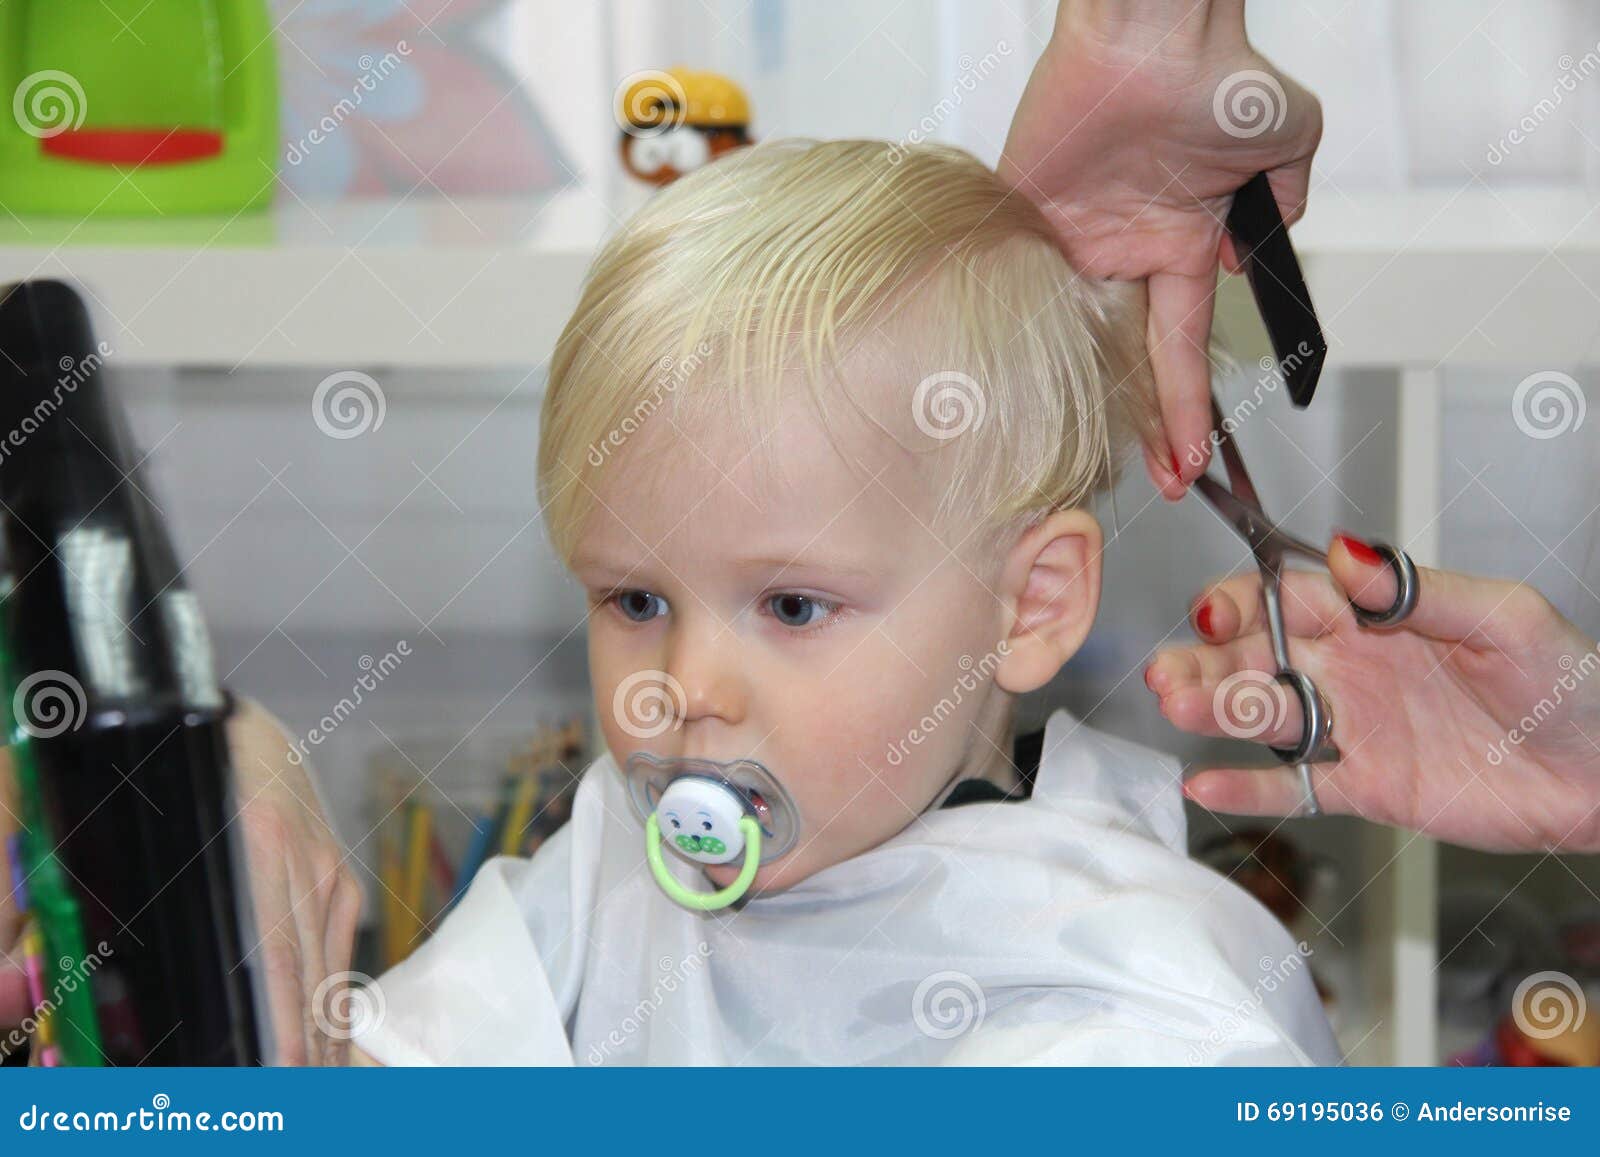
{"points": [[681, 96]]}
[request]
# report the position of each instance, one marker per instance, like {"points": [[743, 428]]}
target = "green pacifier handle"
{"points": [[704, 901]]}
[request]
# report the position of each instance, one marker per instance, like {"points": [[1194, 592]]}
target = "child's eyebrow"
{"points": [[777, 563], [789, 562]]}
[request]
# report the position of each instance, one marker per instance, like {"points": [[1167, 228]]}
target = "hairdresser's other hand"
{"points": [[307, 900], [1477, 720], [1141, 119]]}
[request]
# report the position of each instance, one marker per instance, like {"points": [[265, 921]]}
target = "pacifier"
{"points": [[710, 811]]}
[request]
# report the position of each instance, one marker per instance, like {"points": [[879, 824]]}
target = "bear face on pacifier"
{"points": [[710, 811], [701, 817]]}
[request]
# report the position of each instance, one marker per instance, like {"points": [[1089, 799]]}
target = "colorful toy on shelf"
{"points": [[1550, 1024], [137, 107], [675, 121]]}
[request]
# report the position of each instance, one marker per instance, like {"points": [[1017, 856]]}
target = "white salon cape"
{"points": [[1064, 929]]}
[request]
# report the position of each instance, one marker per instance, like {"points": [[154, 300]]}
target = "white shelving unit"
{"points": [[1411, 283], [440, 283]]}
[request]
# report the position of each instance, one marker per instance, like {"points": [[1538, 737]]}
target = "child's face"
{"points": [[792, 610]]}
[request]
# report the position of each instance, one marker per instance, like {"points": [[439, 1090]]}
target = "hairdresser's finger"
{"points": [[1290, 186], [1228, 256], [1312, 605], [329, 905], [338, 942], [1261, 791], [316, 997], [1250, 705], [1178, 334], [1164, 473], [1173, 668], [280, 955], [278, 952], [343, 917], [1455, 608]]}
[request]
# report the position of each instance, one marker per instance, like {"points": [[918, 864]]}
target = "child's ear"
{"points": [[1051, 582]]}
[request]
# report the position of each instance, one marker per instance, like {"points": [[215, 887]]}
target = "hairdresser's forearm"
{"points": [[1146, 24]]}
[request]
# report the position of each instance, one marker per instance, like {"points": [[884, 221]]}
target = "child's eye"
{"points": [[794, 610], [639, 606]]}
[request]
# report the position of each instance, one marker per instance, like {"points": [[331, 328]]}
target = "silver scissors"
{"points": [[1239, 506]]}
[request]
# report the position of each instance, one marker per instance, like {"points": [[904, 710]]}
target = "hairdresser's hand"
{"points": [[307, 900], [1477, 720], [1141, 119]]}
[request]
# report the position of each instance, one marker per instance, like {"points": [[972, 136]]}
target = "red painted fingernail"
{"points": [[1202, 618], [1360, 551]]}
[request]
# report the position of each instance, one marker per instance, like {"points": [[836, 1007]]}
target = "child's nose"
{"points": [[704, 661]]}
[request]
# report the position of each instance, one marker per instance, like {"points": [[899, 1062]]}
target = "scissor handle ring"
{"points": [[1314, 746], [1405, 600]]}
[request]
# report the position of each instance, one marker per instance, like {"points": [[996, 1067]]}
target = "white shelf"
{"points": [[1475, 276], [420, 282]]}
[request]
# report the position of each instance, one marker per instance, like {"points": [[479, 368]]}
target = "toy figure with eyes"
{"points": [[675, 121]]}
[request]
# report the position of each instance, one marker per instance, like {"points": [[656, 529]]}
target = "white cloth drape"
{"points": [[1069, 928]]}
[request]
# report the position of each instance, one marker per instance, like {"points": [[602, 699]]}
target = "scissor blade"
{"points": [[1232, 462], [1234, 512]]}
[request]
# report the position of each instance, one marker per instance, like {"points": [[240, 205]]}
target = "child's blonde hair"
{"points": [[1029, 378]]}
